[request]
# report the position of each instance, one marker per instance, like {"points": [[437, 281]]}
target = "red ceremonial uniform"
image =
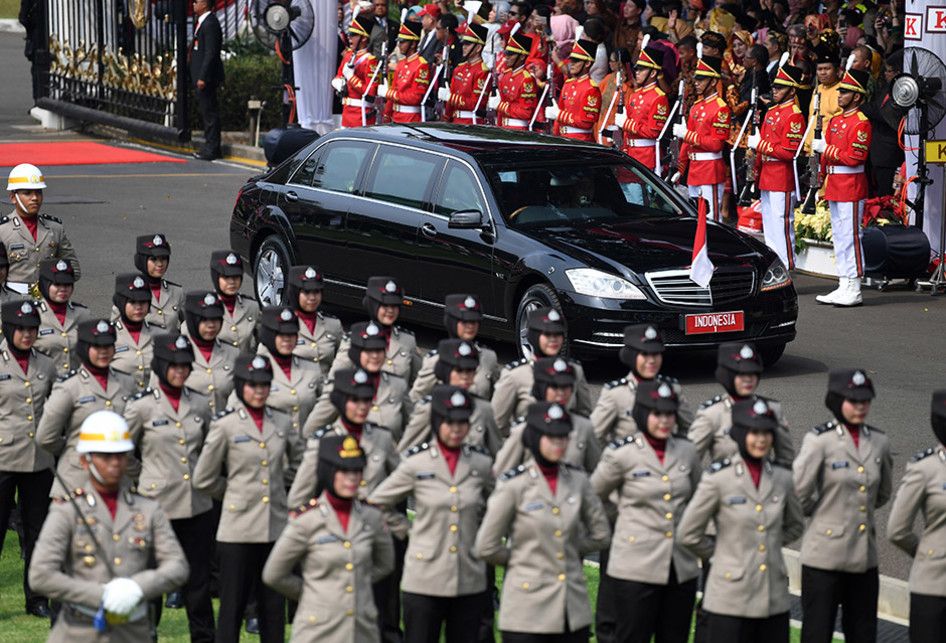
{"points": [[702, 148], [470, 81], [847, 138], [647, 110], [518, 99], [780, 136], [579, 105], [411, 81], [365, 67]]}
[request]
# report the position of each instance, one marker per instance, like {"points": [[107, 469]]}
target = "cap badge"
{"points": [[360, 377], [138, 283], [464, 350], [372, 329], [457, 399], [760, 407], [258, 362], [26, 308], [858, 378], [210, 299], [62, 265], [350, 448], [560, 366], [101, 327], [310, 273], [746, 352], [664, 391], [469, 303], [181, 343], [390, 287], [650, 333], [157, 240], [556, 412], [554, 316], [285, 315], [231, 259]]}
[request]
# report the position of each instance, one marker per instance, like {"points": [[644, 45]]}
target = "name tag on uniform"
{"points": [[641, 474], [324, 540], [273, 389], [159, 422], [300, 342], [426, 475], [17, 246], [840, 464], [534, 506], [4, 377], [241, 438], [736, 500], [46, 331], [121, 349], [86, 399]]}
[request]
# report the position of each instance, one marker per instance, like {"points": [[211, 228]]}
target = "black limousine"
{"points": [[522, 220]]}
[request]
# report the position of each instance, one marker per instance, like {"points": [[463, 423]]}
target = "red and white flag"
{"points": [[701, 268]]}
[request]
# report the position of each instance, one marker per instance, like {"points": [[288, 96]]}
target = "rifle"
{"points": [[674, 155], [440, 107], [365, 97], [814, 161], [549, 85], [379, 101], [750, 190], [494, 82], [612, 131]]}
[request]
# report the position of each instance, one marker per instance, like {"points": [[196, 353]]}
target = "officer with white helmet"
{"points": [[29, 236], [104, 551]]}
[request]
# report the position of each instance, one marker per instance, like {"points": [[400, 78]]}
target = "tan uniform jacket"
{"points": [[239, 328], [295, 395], [169, 442], [546, 537], [167, 312], [483, 430], [840, 486], [336, 602], [612, 417], [214, 377], [486, 375], [6, 294], [652, 497], [67, 567], [401, 358], [134, 358], [321, 346], [75, 397], [391, 408], [923, 490], [710, 431], [513, 393], [254, 492], [376, 442], [583, 451], [58, 341], [25, 253], [448, 509], [748, 577], [22, 397]]}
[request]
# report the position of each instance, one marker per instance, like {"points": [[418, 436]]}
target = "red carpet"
{"points": [[75, 153]]}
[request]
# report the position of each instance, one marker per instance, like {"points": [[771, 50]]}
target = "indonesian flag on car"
{"points": [[701, 268]]}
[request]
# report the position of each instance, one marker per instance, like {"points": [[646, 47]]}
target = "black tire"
{"points": [[771, 353], [537, 296], [271, 271]]}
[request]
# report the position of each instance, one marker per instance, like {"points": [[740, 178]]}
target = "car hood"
{"points": [[642, 245]]}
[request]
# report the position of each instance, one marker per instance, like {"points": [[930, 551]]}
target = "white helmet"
{"points": [[104, 432], [25, 176]]}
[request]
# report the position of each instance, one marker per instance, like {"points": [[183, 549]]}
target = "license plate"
{"points": [[702, 323]]}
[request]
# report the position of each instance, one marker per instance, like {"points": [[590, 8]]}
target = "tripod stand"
{"points": [[938, 279]]}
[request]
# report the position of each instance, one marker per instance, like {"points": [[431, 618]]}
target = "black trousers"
{"points": [[734, 629], [387, 597], [648, 610], [823, 591], [196, 535], [605, 612], [210, 115], [927, 618], [578, 636], [241, 564], [32, 491], [424, 616]]}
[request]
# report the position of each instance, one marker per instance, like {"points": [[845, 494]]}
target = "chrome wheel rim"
{"points": [[270, 279], [525, 348]]}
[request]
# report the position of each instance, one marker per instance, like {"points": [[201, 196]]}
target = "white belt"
{"points": [[845, 169], [515, 122], [567, 129], [357, 102], [706, 156], [470, 115], [407, 109], [641, 142]]}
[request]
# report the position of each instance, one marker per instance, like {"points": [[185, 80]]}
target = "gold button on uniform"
{"points": [[862, 527], [762, 548], [668, 516], [758, 508], [183, 460], [347, 544], [349, 613], [116, 537], [760, 528], [558, 533], [453, 489], [349, 589], [860, 469], [177, 425], [311, 620], [727, 575], [181, 441], [453, 549], [668, 534], [665, 478], [118, 560], [525, 586], [560, 555], [828, 532], [561, 578], [349, 566], [453, 529], [453, 508], [264, 463], [762, 567], [262, 445], [667, 496], [556, 511], [187, 476], [862, 489], [265, 499]]}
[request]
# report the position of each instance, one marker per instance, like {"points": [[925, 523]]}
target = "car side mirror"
{"points": [[465, 220]]}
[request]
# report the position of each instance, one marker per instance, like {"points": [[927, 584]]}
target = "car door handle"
{"points": [[292, 196], [428, 230]]}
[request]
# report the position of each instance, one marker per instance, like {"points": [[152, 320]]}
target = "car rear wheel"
{"points": [[537, 296], [771, 353], [271, 271]]}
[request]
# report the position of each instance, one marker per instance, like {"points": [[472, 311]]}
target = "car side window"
{"points": [[336, 167], [459, 190], [402, 176]]}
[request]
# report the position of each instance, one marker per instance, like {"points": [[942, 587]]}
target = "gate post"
{"points": [[183, 72]]}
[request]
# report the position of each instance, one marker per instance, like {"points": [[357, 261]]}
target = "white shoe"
{"points": [[832, 296], [850, 296]]}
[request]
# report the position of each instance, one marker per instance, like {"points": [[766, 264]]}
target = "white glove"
{"points": [[818, 145], [338, 84], [383, 90], [620, 119], [348, 71], [443, 93], [121, 596], [679, 130], [492, 102], [753, 141], [675, 178], [551, 112]]}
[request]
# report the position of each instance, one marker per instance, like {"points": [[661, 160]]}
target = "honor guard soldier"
{"points": [[842, 465], [132, 332], [843, 155], [513, 393], [443, 583], [647, 109], [167, 424], [517, 99], [920, 492], [579, 103], [643, 352], [29, 236], [240, 313], [152, 258], [59, 315], [553, 381], [212, 371], [342, 548], [357, 78], [26, 378], [383, 299], [390, 407], [406, 92], [462, 315], [104, 551], [655, 472], [703, 138], [6, 293], [551, 513], [756, 513], [319, 334], [456, 366], [251, 443], [94, 386], [776, 144], [738, 369], [470, 82]]}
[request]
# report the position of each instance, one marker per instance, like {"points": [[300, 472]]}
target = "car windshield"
{"points": [[576, 193]]}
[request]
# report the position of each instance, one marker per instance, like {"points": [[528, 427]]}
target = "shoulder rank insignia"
{"points": [[512, 473], [615, 383], [143, 393], [821, 429], [414, 450], [476, 448], [719, 465], [301, 509], [321, 433], [713, 400], [516, 363], [920, 455], [50, 218], [65, 376], [227, 411], [432, 352], [617, 444]]}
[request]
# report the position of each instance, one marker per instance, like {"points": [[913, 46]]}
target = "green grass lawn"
{"points": [[9, 8]]}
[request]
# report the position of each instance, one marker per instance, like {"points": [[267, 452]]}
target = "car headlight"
{"points": [[775, 277], [595, 283]]}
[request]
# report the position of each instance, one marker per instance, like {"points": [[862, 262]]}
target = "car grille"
{"points": [[675, 287]]}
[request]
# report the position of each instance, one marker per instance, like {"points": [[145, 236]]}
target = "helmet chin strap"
{"points": [[16, 195], [93, 470]]}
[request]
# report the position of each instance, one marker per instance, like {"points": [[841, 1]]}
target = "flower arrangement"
{"points": [[812, 227]]}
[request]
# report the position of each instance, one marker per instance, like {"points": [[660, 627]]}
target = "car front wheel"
{"points": [[271, 271], [537, 296]]}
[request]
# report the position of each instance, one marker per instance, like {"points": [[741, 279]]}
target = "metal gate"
{"points": [[118, 62]]}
